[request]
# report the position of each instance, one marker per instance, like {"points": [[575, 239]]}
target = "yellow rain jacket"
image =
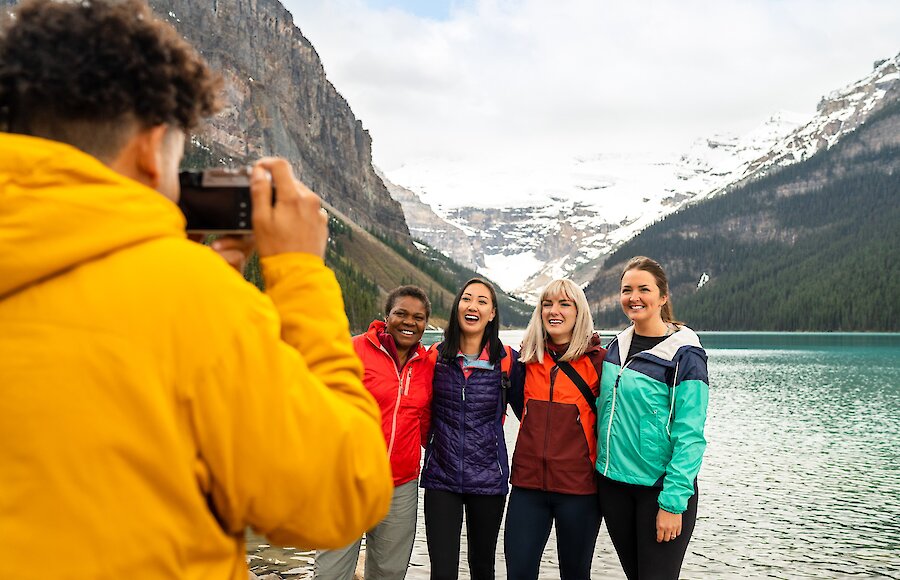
{"points": [[153, 404]]}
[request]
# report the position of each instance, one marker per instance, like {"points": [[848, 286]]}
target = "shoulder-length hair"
{"points": [[534, 343], [491, 332]]}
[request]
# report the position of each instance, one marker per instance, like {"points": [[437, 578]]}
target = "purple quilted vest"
{"points": [[466, 451]]}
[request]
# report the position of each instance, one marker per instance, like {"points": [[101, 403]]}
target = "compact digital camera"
{"points": [[216, 200]]}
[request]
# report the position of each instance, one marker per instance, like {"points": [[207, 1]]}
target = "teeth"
{"points": [[471, 317], [556, 321], [407, 332]]}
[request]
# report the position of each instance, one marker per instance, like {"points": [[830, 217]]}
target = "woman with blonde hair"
{"points": [[553, 478]]}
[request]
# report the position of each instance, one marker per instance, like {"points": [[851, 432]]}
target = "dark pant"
{"points": [[443, 524], [630, 512], [528, 521]]}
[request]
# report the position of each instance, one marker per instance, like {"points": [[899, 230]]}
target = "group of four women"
{"points": [[614, 433]]}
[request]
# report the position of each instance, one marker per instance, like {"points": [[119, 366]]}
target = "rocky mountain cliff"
{"points": [[596, 203], [279, 102]]}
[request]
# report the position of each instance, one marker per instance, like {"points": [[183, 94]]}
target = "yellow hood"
{"points": [[60, 207]]}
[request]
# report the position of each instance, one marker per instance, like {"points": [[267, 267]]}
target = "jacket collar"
{"points": [[378, 335], [667, 350]]}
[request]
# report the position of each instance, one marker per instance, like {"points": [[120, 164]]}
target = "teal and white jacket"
{"points": [[651, 414]]}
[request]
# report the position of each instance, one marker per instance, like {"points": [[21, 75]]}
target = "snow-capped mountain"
{"points": [[837, 114], [527, 221]]}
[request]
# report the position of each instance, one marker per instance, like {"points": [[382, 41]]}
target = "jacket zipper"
{"points": [[462, 438], [553, 372], [399, 393], [612, 413]]}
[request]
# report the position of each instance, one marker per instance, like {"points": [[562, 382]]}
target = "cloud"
{"points": [[587, 75]]}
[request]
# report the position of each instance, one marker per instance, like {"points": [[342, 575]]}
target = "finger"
{"points": [[660, 535], [241, 242], [309, 197], [282, 176], [261, 194]]}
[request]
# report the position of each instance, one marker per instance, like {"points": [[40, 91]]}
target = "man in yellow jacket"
{"points": [[152, 403]]}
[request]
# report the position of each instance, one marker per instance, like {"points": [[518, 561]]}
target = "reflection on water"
{"points": [[802, 474]]}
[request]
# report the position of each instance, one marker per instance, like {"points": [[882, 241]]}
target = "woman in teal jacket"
{"points": [[651, 413]]}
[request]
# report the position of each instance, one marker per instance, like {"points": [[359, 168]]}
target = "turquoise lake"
{"points": [[801, 477], [802, 474]]}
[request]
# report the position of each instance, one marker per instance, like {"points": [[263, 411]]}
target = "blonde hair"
{"points": [[533, 344]]}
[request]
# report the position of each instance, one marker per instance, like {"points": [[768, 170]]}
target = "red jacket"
{"points": [[404, 396], [557, 443]]}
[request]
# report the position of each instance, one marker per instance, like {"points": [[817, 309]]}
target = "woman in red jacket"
{"points": [[553, 475], [398, 373]]}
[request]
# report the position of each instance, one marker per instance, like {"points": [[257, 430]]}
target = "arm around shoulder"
{"points": [[516, 395]]}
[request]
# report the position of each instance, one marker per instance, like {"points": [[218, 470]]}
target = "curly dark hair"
{"points": [[87, 70]]}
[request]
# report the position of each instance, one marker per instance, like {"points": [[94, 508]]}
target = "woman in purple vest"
{"points": [[466, 465]]}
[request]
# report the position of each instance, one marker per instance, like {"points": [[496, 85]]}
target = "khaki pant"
{"points": [[388, 545]]}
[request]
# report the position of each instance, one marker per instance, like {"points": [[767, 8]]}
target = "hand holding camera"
{"points": [[286, 215], [296, 221]]}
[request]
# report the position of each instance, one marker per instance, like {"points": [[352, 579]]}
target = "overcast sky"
{"points": [[481, 77]]}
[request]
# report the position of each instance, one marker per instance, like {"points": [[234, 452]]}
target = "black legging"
{"points": [[529, 517], [443, 524], [630, 514]]}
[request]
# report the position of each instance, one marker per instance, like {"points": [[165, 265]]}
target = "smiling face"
{"points": [[476, 309], [406, 322], [559, 314], [642, 302]]}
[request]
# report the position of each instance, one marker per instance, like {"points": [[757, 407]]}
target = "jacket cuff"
{"points": [[666, 504], [276, 266]]}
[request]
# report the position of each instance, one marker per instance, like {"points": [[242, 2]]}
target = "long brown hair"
{"points": [[662, 282]]}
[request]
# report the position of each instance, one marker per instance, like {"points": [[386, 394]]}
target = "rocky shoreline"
{"points": [[267, 562]]}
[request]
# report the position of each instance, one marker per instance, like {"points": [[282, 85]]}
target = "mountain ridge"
{"points": [[586, 235], [807, 246]]}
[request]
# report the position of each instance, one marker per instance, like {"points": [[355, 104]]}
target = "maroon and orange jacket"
{"points": [[556, 448], [404, 396]]}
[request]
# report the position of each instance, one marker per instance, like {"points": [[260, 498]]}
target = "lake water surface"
{"points": [[801, 477]]}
